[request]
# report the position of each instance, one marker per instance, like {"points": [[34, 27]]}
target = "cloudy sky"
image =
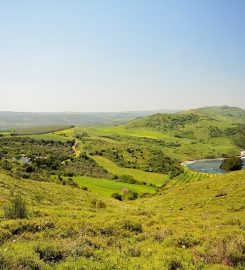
{"points": [[111, 55]]}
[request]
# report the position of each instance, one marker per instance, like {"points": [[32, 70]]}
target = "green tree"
{"points": [[231, 164]]}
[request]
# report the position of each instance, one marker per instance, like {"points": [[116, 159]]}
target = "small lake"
{"points": [[207, 165]]}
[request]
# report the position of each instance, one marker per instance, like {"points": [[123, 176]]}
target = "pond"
{"points": [[207, 165]]}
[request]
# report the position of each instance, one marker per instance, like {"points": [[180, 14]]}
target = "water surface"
{"points": [[207, 165]]}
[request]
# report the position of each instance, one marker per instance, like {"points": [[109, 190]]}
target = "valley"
{"points": [[117, 197]]}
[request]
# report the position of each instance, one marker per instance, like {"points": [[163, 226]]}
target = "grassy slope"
{"points": [[196, 225], [195, 143], [150, 178], [222, 113]]}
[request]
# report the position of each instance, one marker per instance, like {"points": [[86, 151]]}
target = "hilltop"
{"points": [[194, 134], [224, 113]]}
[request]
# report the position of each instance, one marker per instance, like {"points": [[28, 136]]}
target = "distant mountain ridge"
{"points": [[10, 119]]}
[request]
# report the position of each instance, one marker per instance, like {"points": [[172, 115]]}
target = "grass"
{"points": [[108, 187], [150, 178], [195, 225]]}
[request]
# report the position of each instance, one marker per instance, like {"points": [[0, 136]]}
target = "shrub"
{"points": [[133, 195], [127, 179], [16, 208], [17, 227], [134, 252], [117, 196], [30, 262], [49, 253], [161, 234], [187, 241], [231, 164], [174, 265], [98, 204], [4, 235], [132, 226]]}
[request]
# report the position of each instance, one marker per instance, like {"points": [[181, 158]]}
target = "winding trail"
{"points": [[75, 150]]}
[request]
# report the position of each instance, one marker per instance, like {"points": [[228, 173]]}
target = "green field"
{"points": [[61, 135], [108, 187], [150, 178], [38, 130]]}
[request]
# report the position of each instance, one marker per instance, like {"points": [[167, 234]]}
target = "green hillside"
{"points": [[224, 113], [196, 225], [195, 134]]}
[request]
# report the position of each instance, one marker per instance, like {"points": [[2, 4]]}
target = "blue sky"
{"points": [[110, 55]]}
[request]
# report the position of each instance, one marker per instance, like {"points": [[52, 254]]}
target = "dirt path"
{"points": [[75, 150]]}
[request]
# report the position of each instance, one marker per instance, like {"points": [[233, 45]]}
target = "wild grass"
{"points": [[194, 225]]}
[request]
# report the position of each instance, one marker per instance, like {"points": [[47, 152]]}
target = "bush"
{"points": [[231, 164], [132, 226], [187, 241], [117, 196], [16, 208], [133, 195], [98, 204], [29, 262], [174, 265], [49, 253]]}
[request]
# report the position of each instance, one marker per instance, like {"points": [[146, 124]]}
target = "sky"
{"points": [[128, 55]]}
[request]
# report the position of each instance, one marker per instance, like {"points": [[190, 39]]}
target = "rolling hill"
{"points": [[195, 134], [178, 219], [224, 113], [195, 225]]}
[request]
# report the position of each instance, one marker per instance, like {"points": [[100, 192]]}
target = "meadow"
{"points": [[164, 216], [149, 178], [108, 187]]}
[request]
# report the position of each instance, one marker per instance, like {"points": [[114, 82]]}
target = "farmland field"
{"points": [[38, 130], [149, 178], [108, 187]]}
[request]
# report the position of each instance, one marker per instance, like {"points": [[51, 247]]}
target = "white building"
{"points": [[243, 154]]}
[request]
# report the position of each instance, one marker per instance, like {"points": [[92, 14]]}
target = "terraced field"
{"points": [[189, 175]]}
